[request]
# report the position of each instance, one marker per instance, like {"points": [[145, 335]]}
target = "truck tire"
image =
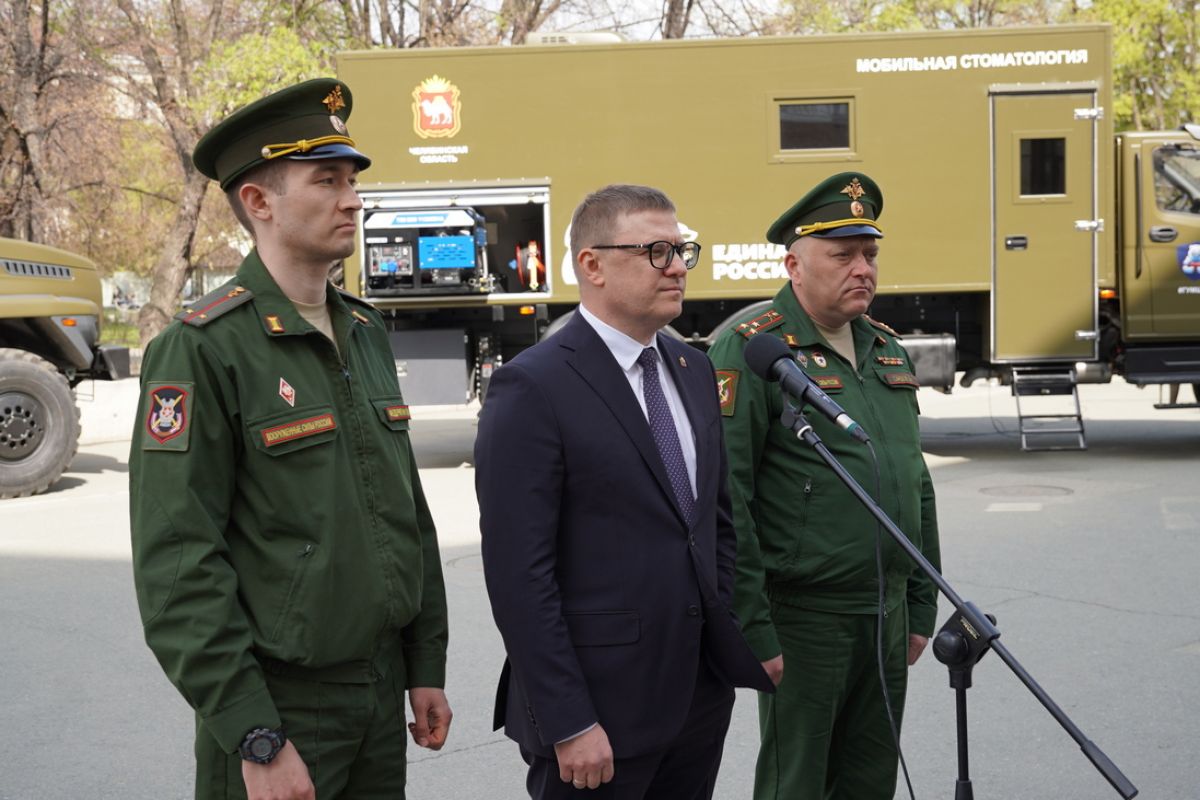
{"points": [[39, 424]]}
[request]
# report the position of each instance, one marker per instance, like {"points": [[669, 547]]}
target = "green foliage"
{"points": [[1154, 60], [241, 71]]}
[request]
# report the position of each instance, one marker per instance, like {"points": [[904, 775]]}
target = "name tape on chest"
{"points": [[290, 431], [397, 413]]}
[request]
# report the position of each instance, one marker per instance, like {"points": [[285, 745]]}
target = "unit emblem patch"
{"points": [[287, 392], [819, 359], [727, 380], [168, 416]]}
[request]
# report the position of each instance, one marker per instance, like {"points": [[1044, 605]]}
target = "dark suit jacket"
{"points": [[605, 598]]}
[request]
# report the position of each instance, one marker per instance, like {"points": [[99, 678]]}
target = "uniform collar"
{"points": [[277, 313], [806, 331]]}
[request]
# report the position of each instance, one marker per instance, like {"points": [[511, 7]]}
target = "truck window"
{"points": [[814, 125], [1177, 179], [1043, 167]]}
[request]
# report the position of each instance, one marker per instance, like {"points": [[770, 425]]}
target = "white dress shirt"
{"points": [[626, 351]]}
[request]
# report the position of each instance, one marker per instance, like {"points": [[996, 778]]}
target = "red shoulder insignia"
{"points": [[881, 326], [760, 323], [213, 305]]}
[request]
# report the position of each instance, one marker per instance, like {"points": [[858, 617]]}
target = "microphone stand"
{"points": [[967, 635]]}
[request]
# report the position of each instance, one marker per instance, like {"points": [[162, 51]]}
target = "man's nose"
{"points": [[676, 268], [351, 199]]}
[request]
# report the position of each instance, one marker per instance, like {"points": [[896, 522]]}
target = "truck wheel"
{"points": [[39, 424]]}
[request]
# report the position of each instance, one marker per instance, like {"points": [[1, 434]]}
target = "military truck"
{"points": [[1023, 238], [50, 315]]}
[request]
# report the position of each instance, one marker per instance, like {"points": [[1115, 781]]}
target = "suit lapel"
{"points": [[595, 364]]}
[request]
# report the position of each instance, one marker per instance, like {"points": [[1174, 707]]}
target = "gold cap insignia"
{"points": [[854, 189], [333, 101]]}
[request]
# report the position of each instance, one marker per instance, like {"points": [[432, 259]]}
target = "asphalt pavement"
{"points": [[1088, 560]]}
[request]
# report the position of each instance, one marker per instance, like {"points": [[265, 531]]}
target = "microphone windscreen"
{"points": [[761, 352]]}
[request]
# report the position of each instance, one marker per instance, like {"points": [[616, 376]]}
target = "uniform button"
{"points": [[693, 611]]}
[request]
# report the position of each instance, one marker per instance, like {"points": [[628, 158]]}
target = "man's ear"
{"points": [[588, 269], [255, 201], [791, 262]]}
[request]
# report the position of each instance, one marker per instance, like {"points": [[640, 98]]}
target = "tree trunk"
{"points": [[675, 18], [171, 269]]}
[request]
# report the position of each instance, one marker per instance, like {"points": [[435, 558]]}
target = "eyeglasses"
{"points": [[661, 253]]}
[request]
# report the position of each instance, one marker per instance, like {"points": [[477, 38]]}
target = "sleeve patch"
{"points": [[727, 381], [168, 416]]}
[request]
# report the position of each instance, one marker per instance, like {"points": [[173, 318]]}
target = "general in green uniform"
{"points": [[285, 560], [808, 591]]}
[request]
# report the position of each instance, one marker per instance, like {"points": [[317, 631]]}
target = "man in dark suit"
{"points": [[608, 545]]}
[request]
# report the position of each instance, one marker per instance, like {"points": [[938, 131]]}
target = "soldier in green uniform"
{"points": [[808, 594], [285, 561]]}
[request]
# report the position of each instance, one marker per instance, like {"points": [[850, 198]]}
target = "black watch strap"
{"points": [[261, 745]]}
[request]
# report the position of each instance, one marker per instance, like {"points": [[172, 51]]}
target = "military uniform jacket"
{"points": [[803, 539], [275, 505]]}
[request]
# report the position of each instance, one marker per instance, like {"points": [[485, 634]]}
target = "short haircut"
{"points": [[595, 217], [269, 175]]}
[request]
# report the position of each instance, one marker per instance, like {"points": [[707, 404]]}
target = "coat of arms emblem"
{"points": [[436, 108]]}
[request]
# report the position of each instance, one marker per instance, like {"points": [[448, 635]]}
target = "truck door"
{"points": [[1044, 216], [1161, 257]]}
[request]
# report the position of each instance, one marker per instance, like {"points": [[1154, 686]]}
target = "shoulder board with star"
{"points": [[214, 304], [886, 328], [356, 305], [763, 322]]}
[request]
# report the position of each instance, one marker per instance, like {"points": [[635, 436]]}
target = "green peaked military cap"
{"points": [[846, 204], [305, 121]]}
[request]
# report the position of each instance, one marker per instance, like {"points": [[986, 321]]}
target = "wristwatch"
{"points": [[261, 745]]}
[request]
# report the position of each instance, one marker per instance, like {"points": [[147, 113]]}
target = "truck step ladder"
{"points": [[1058, 427]]}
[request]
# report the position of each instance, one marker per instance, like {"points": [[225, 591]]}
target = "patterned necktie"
{"points": [[662, 425]]}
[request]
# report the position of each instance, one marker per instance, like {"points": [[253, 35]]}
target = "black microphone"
{"points": [[770, 359]]}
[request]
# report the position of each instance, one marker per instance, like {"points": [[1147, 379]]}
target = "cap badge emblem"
{"points": [[855, 190], [333, 101]]}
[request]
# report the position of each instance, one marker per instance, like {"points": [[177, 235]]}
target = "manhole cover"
{"points": [[471, 563], [1026, 491]]}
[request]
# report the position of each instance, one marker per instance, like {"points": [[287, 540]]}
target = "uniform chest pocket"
{"points": [[393, 412], [297, 429]]}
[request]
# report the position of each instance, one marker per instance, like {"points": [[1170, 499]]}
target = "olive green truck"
{"points": [[50, 315], [1022, 236]]}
